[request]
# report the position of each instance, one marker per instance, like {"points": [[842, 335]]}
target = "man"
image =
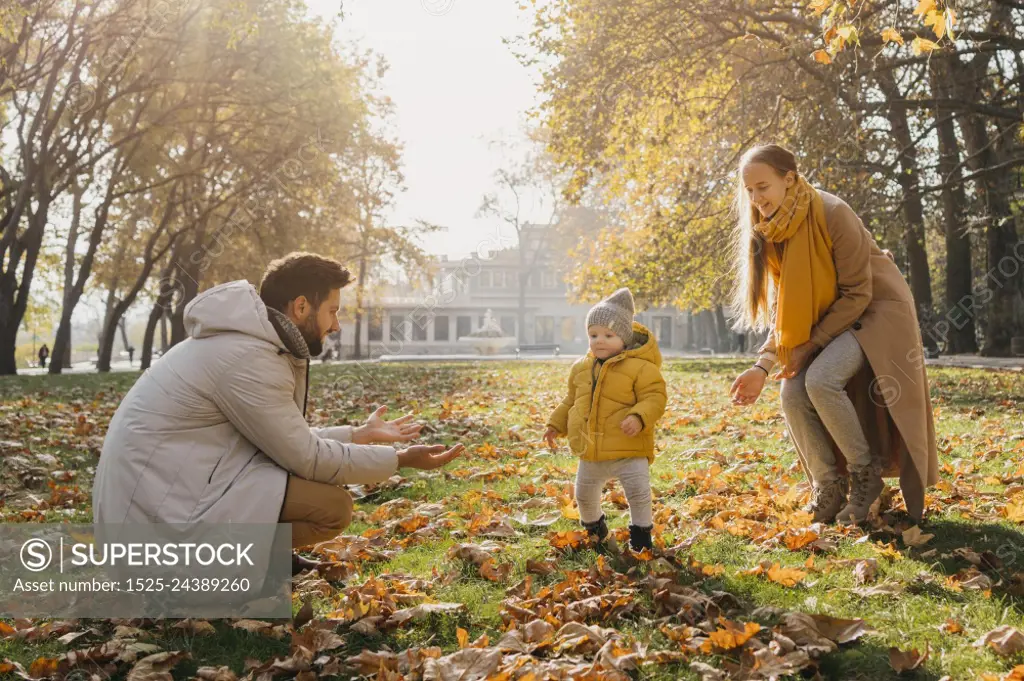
{"points": [[215, 431], [44, 352]]}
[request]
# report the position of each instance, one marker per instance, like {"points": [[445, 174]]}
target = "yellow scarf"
{"points": [[805, 279]]}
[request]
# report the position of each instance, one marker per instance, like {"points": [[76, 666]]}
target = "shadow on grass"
{"points": [[1000, 546]]}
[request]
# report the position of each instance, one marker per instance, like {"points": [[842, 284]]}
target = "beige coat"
{"points": [[891, 392], [211, 431]]}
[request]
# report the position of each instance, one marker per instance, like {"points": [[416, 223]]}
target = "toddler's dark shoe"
{"points": [[597, 529], [640, 538]]}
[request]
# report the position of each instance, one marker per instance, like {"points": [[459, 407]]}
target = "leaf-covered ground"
{"points": [[479, 571]]}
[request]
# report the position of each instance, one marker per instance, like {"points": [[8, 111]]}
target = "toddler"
{"points": [[616, 396]]}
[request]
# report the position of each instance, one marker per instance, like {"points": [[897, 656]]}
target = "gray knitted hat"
{"points": [[615, 312]]}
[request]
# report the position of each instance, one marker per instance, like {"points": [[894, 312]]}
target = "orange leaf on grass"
{"points": [[795, 542], [573, 539], [1016, 674], [495, 572], [906, 661], [951, 626], [707, 570], [785, 576], [729, 636], [569, 510], [42, 666]]}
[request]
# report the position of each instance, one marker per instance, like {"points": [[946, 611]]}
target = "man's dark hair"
{"points": [[301, 274]]}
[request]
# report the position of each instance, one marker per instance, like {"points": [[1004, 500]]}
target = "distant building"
{"points": [[404, 321]]}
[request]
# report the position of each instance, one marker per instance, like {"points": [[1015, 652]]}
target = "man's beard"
{"points": [[310, 331]]}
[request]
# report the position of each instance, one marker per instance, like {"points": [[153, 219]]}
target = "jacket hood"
{"points": [[645, 346], [234, 307]]}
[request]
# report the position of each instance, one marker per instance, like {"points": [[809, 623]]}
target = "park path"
{"points": [[964, 361]]}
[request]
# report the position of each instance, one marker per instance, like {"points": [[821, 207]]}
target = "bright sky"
{"points": [[456, 88]]}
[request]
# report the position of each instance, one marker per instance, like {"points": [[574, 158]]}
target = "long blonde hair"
{"points": [[751, 296]]}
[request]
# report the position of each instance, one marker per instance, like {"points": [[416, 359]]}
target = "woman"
{"points": [[845, 333]]}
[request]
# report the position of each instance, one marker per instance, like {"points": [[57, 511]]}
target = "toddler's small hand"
{"points": [[631, 425], [549, 436]]}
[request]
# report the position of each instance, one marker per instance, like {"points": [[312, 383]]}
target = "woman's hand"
{"points": [[376, 429], [799, 358], [748, 386], [631, 425], [549, 436]]}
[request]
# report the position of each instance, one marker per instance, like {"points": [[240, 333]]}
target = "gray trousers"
{"points": [[816, 406], [635, 475]]}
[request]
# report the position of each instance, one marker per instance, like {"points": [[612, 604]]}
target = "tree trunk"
{"points": [[957, 326], [62, 340], [122, 326], [1001, 285], [163, 330], [913, 206], [159, 313], [147, 338], [150, 259], [61, 356], [187, 275], [114, 283], [357, 352], [14, 294], [724, 333], [107, 335]]}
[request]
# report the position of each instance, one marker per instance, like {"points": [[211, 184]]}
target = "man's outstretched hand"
{"points": [[377, 430], [428, 457]]}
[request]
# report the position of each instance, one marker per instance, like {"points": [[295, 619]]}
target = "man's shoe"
{"points": [[865, 487]]}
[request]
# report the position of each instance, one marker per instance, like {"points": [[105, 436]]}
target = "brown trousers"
{"points": [[317, 511]]}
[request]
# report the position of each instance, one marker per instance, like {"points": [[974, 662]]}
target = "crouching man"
{"points": [[215, 431]]}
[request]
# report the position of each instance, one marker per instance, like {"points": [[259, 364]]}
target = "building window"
{"points": [[397, 327], [448, 285], [545, 329], [498, 279], [441, 328], [549, 279], [567, 331], [419, 327], [508, 325], [485, 279], [375, 324], [663, 330], [463, 326]]}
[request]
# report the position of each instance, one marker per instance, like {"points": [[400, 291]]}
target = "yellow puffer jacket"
{"points": [[628, 383]]}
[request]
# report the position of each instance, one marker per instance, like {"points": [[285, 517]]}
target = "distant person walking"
{"points": [[44, 352]]}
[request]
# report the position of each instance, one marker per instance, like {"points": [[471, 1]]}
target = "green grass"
{"points": [[706, 445]]}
